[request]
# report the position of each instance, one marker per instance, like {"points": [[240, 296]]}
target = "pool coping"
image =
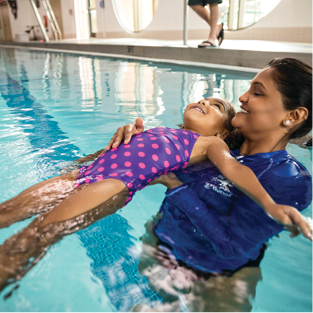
{"points": [[230, 59]]}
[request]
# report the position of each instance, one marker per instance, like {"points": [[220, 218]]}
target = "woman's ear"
{"points": [[223, 134], [297, 116]]}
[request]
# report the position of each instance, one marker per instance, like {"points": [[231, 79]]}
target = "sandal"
{"points": [[220, 36], [210, 44]]}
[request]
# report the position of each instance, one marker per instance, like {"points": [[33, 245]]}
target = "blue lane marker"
{"points": [[98, 239]]}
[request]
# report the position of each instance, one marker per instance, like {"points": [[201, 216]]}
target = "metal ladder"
{"points": [[51, 17]]}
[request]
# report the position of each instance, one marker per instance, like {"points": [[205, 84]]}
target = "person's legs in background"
{"points": [[211, 17]]}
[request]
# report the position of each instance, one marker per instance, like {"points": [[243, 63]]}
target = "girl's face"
{"points": [[262, 111], [207, 117]]}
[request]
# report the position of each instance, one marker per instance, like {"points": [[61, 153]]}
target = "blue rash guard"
{"points": [[212, 226]]}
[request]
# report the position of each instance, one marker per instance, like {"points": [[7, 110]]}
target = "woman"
{"points": [[229, 230], [21, 247]]}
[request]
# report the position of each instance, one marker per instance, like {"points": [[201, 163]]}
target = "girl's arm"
{"points": [[245, 180]]}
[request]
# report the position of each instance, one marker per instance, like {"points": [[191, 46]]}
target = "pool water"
{"points": [[57, 107]]}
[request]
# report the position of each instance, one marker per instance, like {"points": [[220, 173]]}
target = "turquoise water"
{"points": [[56, 107]]}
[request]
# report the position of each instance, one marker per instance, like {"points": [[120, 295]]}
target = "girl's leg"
{"points": [[37, 198], [76, 212]]}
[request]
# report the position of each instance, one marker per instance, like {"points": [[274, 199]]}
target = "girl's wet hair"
{"points": [[293, 79], [234, 139]]}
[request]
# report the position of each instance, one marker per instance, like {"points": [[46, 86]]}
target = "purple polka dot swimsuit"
{"points": [[148, 155]]}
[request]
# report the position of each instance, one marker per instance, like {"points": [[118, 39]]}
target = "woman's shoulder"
{"points": [[289, 166]]}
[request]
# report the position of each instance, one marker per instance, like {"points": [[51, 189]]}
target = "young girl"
{"points": [[123, 171]]}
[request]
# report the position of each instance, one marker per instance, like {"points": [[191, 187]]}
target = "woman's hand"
{"points": [[291, 219], [125, 133], [169, 180]]}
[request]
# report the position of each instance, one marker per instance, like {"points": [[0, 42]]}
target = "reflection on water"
{"points": [[56, 107]]}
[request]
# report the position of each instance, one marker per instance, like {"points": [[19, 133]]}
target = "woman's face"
{"points": [[206, 117], [262, 111]]}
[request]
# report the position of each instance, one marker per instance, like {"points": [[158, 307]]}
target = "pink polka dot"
{"points": [[126, 146], [178, 159], [128, 199], [155, 146], [150, 135], [186, 153], [127, 164], [168, 151], [142, 177], [166, 164], [149, 130], [155, 157], [149, 180], [114, 174], [138, 135], [177, 146], [154, 170], [142, 165], [130, 193], [87, 180], [102, 155], [141, 145], [153, 138], [113, 149], [129, 185], [113, 156], [100, 177], [76, 185], [195, 136], [185, 133], [175, 137], [114, 165], [139, 139], [186, 142], [101, 161], [185, 164], [101, 169], [141, 154], [173, 131], [129, 174], [89, 167], [88, 172], [166, 140], [127, 153]]}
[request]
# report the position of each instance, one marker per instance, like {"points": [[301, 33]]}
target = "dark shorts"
{"points": [[203, 2]]}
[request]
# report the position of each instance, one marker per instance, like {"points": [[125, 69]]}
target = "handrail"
{"points": [[53, 21], [39, 20]]}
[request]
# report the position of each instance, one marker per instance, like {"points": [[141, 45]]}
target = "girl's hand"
{"points": [[291, 219], [169, 180], [125, 133]]}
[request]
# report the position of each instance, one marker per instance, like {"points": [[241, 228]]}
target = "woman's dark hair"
{"points": [[293, 79]]}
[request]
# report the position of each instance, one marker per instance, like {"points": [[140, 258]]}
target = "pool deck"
{"points": [[247, 55]]}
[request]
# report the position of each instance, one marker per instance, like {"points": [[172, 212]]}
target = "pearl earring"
{"points": [[287, 122], [305, 117]]}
